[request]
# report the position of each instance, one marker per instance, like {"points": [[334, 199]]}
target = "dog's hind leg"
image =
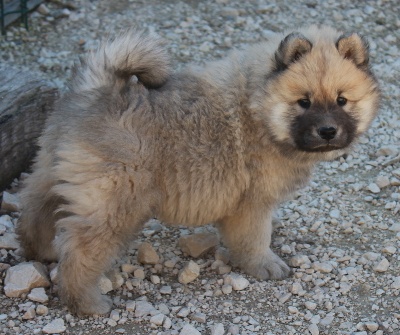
{"points": [[36, 226], [105, 211]]}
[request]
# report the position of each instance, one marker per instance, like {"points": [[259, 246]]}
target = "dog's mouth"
{"points": [[323, 148]]}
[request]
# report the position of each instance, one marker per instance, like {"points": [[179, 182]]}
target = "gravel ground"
{"points": [[341, 233]]}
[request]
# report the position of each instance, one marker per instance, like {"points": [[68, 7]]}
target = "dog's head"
{"points": [[321, 95]]}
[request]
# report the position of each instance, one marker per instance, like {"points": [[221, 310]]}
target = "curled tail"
{"points": [[129, 54]]}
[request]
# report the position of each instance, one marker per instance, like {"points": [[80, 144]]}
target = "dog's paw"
{"points": [[102, 306], [99, 305], [269, 266]]}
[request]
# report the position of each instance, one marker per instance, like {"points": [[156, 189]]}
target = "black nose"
{"points": [[327, 133]]}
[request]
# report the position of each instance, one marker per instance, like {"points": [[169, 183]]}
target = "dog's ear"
{"points": [[291, 49], [355, 48]]}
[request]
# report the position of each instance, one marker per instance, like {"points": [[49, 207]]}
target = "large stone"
{"points": [[23, 277], [197, 245], [237, 281], [382, 265], [189, 330], [382, 181], [189, 273], [373, 188], [10, 202], [388, 150], [54, 275], [6, 221], [9, 241], [143, 308], [38, 294], [218, 329], [29, 314], [324, 267], [54, 327], [396, 283], [147, 254], [395, 227], [298, 260], [157, 319], [105, 284]]}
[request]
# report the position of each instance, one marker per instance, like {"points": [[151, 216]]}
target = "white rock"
{"points": [[189, 330], [111, 322], [382, 265], [105, 284], [157, 319], [395, 227], [143, 308], [167, 323], [38, 295], [285, 297], [147, 254], [29, 314], [313, 329], [189, 273], [310, 305], [130, 306], [128, 268], [3, 229], [155, 279], [396, 173], [42, 9], [234, 330], [42, 310], [116, 279], [224, 269], [114, 315], [237, 281], [139, 273], [229, 12], [396, 283], [217, 329], [298, 260], [334, 214], [324, 267], [166, 289], [6, 221], [371, 326], [296, 288], [10, 202], [9, 241], [199, 317], [371, 256], [389, 150], [373, 188], [382, 181], [222, 254], [285, 249], [226, 289], [54, 327], [390, 249], [54, 275], [183, 312], [23, 277]]}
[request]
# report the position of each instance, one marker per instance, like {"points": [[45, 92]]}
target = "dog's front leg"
{"points": [[247, 234]]}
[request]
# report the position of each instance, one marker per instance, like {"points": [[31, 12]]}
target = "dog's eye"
{"points": [[341, 101], [304, 103]]}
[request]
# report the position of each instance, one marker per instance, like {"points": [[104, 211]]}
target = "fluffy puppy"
{"points": [[222, 144]]}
